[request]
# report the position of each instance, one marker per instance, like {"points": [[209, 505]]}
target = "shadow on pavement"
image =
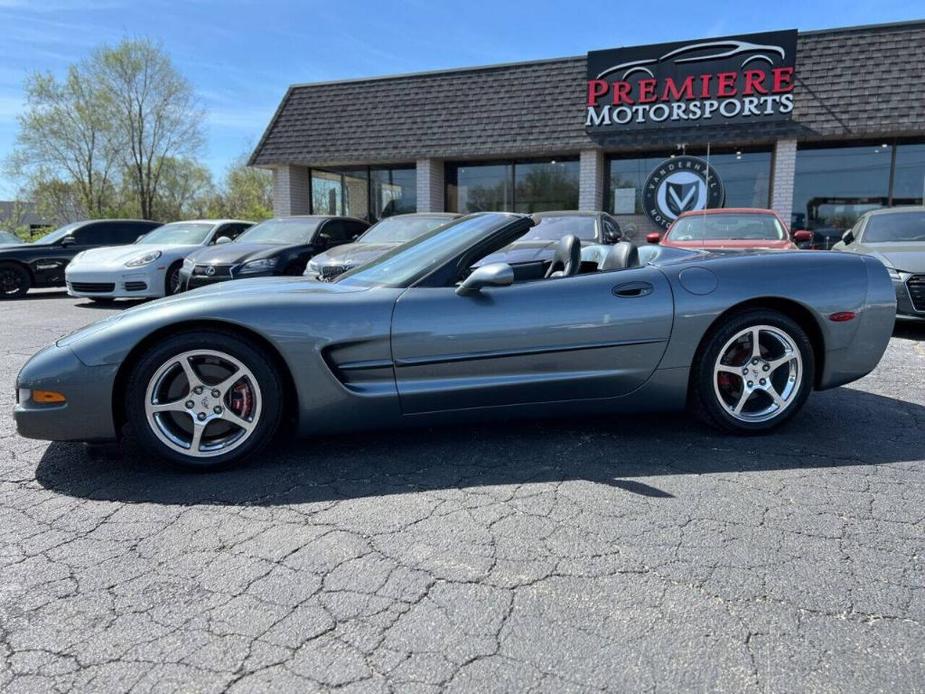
{"points": [[116, 304], [910, 329], [843, 427]]}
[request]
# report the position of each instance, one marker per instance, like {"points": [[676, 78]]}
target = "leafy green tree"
{"points": [[185, 191], [67, 134], [247, 193]]}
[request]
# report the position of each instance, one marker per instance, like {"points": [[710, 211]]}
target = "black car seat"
{"points": [[567, 260], [621, 255]]}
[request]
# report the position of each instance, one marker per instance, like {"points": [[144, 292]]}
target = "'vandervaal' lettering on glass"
{"points": [[708, 82]]}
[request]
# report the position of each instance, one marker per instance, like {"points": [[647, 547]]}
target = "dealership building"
{"points": [[819, 125]]}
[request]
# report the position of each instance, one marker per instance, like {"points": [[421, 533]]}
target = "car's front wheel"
{"points": [[204, 399], [753, 372], [172, 280], [15, 280]]}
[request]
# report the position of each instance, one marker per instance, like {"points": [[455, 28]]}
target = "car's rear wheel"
{"points": [[204, 407], [172, 281], [753, 372], [15, 280]]}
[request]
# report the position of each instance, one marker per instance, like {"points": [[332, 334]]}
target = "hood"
{"points": [[353, 254], [908, 257], [119, 255], [522, 252], [220, 300], [234, 253], [733, 244]]}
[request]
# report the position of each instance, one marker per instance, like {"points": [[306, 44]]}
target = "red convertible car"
{"points": [[732, 228]]}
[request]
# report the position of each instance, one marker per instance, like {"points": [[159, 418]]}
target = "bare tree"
{"points": [[153, 109]]}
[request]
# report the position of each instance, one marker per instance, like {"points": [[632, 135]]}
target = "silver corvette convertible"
{"points": [[425, 334]]}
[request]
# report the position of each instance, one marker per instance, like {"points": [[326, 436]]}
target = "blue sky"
{"points": [[240, 55]]}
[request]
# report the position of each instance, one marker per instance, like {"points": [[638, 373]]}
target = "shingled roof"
{"points": [[851, 83]]}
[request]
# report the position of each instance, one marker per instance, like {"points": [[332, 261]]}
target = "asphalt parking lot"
{"points": [[633, 554]]}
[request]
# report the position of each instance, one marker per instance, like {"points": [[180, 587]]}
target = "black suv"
{"points": [[41, 263]]}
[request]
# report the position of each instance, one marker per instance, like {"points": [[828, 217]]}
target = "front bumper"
{"points": [[194, 280], [86, 416], [910, 295], [140, 283]]}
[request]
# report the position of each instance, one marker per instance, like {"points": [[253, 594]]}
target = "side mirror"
{"points": [[222, 239], [138, 240], [848, 237], [802, 236], [68, 240], [654, 237], [494, 275]]}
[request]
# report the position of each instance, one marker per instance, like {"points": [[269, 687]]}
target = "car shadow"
{"points": [[910, 329], [118, 304], [39, 294], [838, 428]]}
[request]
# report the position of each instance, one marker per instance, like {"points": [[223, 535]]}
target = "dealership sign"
{"points": [[681, 184], [736, 79]]}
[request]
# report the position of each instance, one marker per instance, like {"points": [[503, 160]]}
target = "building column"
{"points": [[591, 180], [431, 185], [783, 170], [291, 191]]}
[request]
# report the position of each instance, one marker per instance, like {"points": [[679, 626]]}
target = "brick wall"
{"points": [[591, 180], [783, 170], [291, 192], [431, 185]]}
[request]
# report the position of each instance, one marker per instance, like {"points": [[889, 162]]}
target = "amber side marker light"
{"points": [[842, 316], [48, 397]]}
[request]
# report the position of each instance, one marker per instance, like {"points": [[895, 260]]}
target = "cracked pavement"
{"points": [[630, 554]]}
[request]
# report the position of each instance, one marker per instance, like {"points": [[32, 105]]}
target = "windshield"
{"points": [[898, 227], [58, 234], [554, 228], [7, 237], [178, 234], [283, 232], [728, 227], [405, 264], [401, 229]]}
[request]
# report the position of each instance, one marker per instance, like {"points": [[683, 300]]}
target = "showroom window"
{"points": [[369, 193], [833, 186], [521, 186], [746, 177], [908, 175]]}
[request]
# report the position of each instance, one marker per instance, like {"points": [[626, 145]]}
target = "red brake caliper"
{"points": [[241, 400]]}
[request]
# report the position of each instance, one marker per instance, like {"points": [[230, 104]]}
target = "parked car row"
{"points": [[108, 259]]}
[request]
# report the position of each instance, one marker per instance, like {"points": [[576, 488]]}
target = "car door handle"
{"points": [[630, 290]]}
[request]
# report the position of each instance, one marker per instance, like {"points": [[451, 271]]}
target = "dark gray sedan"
{"points": [[378, 239], [895, 237], [416, 337]]}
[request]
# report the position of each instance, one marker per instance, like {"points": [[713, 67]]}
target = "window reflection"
{"points": [[366, 193], [836, 185], [746, 177], [520, 186]]}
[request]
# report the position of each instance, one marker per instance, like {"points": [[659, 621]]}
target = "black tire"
{"points": [[15, 281], [704, 401], [251, 356], [172, 280]]}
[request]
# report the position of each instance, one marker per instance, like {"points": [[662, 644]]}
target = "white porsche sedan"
{"points": [[150, 267]]}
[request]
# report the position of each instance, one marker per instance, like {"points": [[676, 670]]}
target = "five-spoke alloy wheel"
{"points": [[753, 372], [204, 407]]}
